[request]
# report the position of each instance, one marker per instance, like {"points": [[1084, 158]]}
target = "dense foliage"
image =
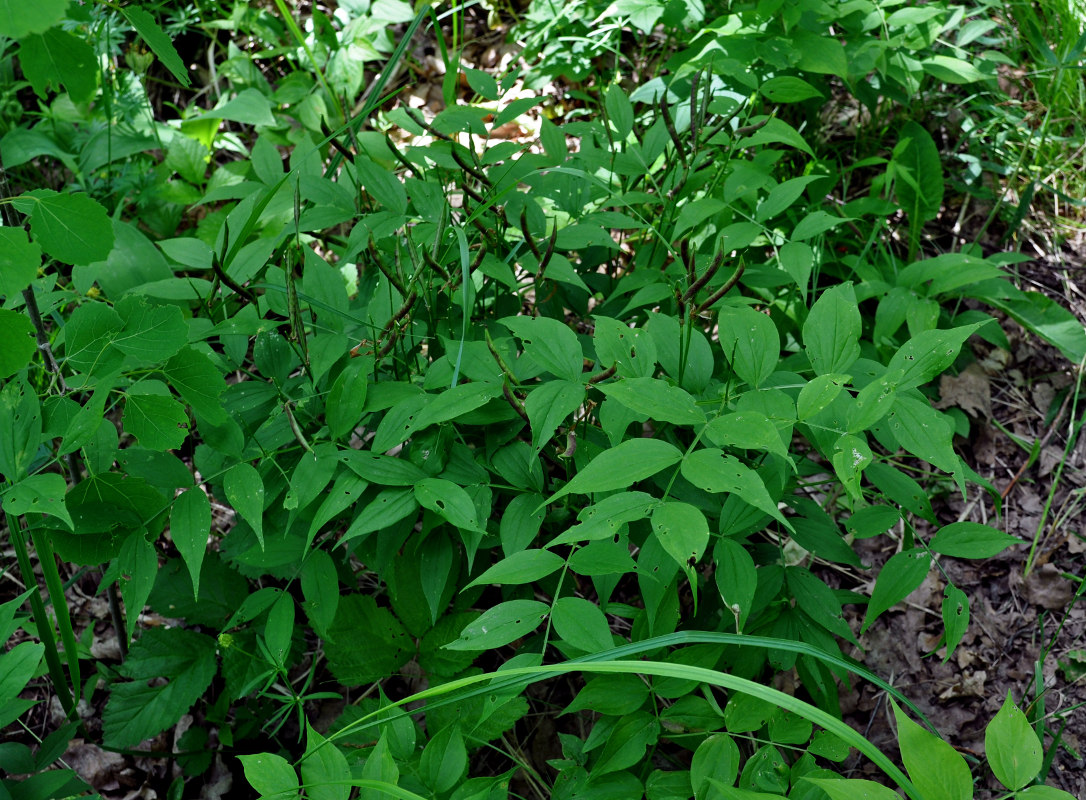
{"points": [[601, 401]]}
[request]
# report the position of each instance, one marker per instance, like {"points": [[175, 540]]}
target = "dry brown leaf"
{"points": [[969, 391]]}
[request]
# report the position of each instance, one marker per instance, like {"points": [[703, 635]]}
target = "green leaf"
{"points": [[348, 396], [831, 333], [137, 710], [873, 402], [71, 228], [747, 430], [621, 466], [736, 579], [38, 494], [924, 432], [387, 508], [619, 111], [549, 343], [900, 488], [971, 540], [326, 774], [548, 405], [448, 501], [383, 186], [854, 789], [902, 574], [656, 399], [17, 667], [20, 260], [581, 623], [681, 529], [279, 629], [502, 624], [820, 53], [851, 454], [455, 402], [20, 429], [320, 588], [444, 760], [526, 566], [1012, 748], [17, 19], [788, 89], [56, 57], [17, 334], [272, 776], [190, 526], [955, 617], [918, 172], [245, 492], [750, 343], [159, 42], [366, 642], [138, 563], [152, 333], [158, 421], [714, 471], [249, 107], [936, 768], [716, 758], [627, 743], [951, 70], [819, 393], [1043, 793], [783, 195], [815, 224], [382, 470], [88, 339], [198, 382]]}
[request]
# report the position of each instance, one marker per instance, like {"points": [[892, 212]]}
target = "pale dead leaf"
{"points": [[969, 391]]}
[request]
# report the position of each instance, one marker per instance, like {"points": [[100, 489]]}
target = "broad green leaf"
{"points": [[198, 382], [190, 526], [621, 466], [902, 574], [736, 579], [776, 131], [88, 339], [20, 260], [797, 259], [548, 405], [17, 334], [159, 42], [245, 492], [387, 508], [138, 563], [604, 519], [815, 224], [872, 521], [788, 89], [656, 399], [627, 743], [955, 617], [549, 343], [138, 710], [820, 53], [158, 421], [42, 493], [525, 566], [782, 196], [1043, 793], [454, 402], [631, 350], [831, 332], [918, 175], [935, 768], [818, 393], [448, 501], [382, 470], [851, 454], [928, 354], [971, 540], [348, 396], [502, 624], [873, 402], [951, 70], [818, 601], [924, 432], [581, 624], [750, 343], [444, 760], [151, 333], [17, 668], [379, 766], [746, 430], [249, 107], [271, 775], [746, 713], [900, 488], [17, 19], [382, 185], [714, 471], [326, 775], [717, 758], [320, 588], [56, 58], [279, 628], [619, 111], [1012, 748], [71, 228], [854, 789], [681, 529], [366, 643]]}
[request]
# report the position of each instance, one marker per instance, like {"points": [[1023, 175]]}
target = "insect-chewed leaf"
{"points": [[682, 531], [714, 471], [550, 343]]}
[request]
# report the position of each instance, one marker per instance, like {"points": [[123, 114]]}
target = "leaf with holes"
{"points": [[681, 529], [714, 471], [549, 343]]}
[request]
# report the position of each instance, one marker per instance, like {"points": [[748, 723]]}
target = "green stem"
{"points": [[41, 618]]}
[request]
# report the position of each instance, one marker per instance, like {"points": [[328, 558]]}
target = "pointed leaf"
{"points": [[198, 382], [548, 405], [902, 574], [245, 492], [656, 399], [271, 775], [581, 624], [681, 529], [159, 42], [549, 343], [831, 333], [152, 333], [158, 421], [190, 526], [714, 471], [526, 566], [38, 494], [17, 18], [1013, 751], [71, 228], [448, 501], [502, 624], [971, 540], [622, 466], [17, 334], [750, 342], [935, 768], [928, 354], [56, 58]]}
